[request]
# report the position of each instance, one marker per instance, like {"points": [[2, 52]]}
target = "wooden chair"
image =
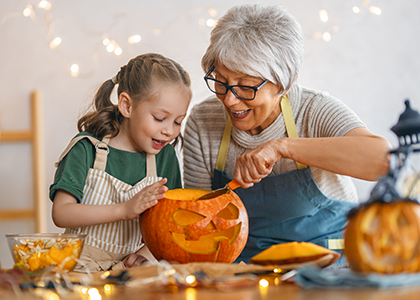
{"points": [[34, 135]]}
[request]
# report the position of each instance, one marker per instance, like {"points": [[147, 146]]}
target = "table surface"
{"points": [[275, 290]]}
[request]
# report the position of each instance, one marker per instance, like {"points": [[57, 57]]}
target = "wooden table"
{"points": [[275, 290]]}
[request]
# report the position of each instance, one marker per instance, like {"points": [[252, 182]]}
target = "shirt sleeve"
{"points": [[72, 171], [330, 117]]}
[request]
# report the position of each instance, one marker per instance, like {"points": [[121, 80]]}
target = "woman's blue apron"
{"points": [[286, 207]]}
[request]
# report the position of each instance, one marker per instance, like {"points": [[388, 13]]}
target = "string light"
{"points": [[190, 279], [212, 12], [28, 10], [211, 23], [112, 46], [375, 10], [118, 51], [44, 5], [264, 283], [323, 15], [134, 39], [74, 70], [326, 36], [55, 42]]}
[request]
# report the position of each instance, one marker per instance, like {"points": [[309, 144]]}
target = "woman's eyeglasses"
{"points": [[243, 92]]}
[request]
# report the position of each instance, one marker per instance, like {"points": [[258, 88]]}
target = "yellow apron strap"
{"points": [[151, 165], [289, 121], [100, 146], [224, 146]]}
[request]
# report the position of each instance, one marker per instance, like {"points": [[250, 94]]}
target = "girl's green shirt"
{"points": [[128, 167]]}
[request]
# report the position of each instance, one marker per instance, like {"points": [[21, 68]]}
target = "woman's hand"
{"points": [[145, 199], [256, 164]]}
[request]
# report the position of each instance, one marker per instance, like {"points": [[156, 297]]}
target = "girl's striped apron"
{"points": [[120, 238]]}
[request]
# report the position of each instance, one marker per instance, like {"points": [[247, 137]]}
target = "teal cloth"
{"points": [[315, 278]]}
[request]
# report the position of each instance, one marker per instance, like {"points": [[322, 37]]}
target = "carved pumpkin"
{"points": [[182, 229], [384, 238]]}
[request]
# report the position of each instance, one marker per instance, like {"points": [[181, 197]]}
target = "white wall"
{"points": [[371, 63]]}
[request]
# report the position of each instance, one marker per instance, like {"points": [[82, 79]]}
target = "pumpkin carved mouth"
{"points": [[206, 243]]}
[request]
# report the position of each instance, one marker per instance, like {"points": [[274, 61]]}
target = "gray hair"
{"points": [[259, 40]]}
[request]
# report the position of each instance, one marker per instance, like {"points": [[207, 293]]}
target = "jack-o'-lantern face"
{"points": [[186, 229], [384, 238], [202, 234]]}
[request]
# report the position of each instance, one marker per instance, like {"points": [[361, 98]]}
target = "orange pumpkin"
{"points": [[384, 238], [182, 229]]}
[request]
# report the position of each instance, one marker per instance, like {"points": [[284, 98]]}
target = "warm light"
{"points": [[27, 11], [110, 47], [190, 279], [94, 294], [276, 281], [107, 289], [264, 283], [317, 35], [211, 23], [53, 296], [277, 270], [157, 31], [335, 28], [74, 70], [44, 4], [118, 51], [55, 42], [326, 36], [190, 294], [201, 22], [375, 10], [212, 12], [106, 42], [134, 39], [356, 10], [323, 15]]}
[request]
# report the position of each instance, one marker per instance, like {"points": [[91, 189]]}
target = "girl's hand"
{"points": [[256, 164], [145, 199]]}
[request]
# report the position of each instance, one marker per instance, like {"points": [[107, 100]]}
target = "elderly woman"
{"points": [[292, 149]]}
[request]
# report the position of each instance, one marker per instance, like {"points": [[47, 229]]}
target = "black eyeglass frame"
{"points": [[231, 87]]}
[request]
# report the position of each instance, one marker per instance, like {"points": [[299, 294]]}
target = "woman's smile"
{"points": [[240, 114]]}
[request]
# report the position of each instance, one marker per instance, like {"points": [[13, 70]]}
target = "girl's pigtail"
{"points": [[105, 119]]}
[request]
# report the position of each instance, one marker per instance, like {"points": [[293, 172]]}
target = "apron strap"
{"points": [[151, 166], [100, 146], [224, 146], [289, 121]]}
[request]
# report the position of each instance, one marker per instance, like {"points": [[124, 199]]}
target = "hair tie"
{"points": [[114, 79]]}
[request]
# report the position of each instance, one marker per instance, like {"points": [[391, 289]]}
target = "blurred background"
{"points": [[364, 52]]}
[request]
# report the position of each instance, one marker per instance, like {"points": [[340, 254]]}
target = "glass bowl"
{"points": [[36, 251]]}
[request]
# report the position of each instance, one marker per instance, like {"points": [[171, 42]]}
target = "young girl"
{"points": [[107, 175]]}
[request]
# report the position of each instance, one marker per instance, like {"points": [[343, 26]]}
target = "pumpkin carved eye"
{"points": [[184, 217], [230, 212]]}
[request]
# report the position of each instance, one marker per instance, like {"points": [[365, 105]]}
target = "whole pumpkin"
{"points": [[182, 229], [384, 238]]}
